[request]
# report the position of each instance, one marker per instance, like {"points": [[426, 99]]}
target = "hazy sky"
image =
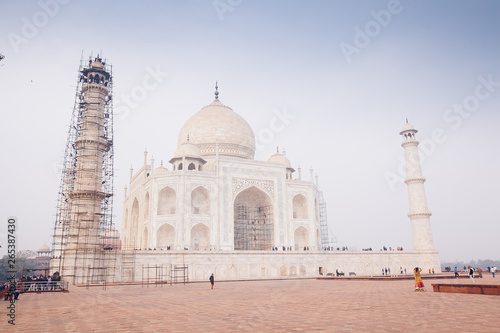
{"points": [[348, 73]]}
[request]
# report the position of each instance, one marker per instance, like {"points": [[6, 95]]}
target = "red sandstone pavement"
{"points": [[259, 306]]}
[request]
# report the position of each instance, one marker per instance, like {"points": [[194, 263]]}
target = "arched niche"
{"points": [[165, 236], [300, 207], [167, 201], [200, 237], [146, 205], [200, 201], [253, 220], [301, 237], [144, 239]]}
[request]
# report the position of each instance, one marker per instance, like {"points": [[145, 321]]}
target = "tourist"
{"points": [[480, 272], [13, 290], [419, 285], [456, 272], [433, 271], [493, 270], [212, 281], [471, 273]]}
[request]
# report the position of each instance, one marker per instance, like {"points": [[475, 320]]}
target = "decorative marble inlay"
{"points": [[243, 183]]}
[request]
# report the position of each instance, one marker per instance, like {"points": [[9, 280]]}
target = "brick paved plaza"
{"points": [[259, 306]]}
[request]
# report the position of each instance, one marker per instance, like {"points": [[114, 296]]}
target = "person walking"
{"points": [[493, 270], [471, 273], [419, 285], [212, 281], [456, 272]]}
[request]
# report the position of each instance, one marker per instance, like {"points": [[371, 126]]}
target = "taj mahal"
{"points": [[216, 196], [215, 209], [224, 211]]}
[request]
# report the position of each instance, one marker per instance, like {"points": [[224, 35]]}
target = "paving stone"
{"points": [[259, 306]]}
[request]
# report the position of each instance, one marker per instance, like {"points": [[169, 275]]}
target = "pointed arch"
{"points": [[167, 200], [200, 237], [125, 219], [135, 214], [300, 207], [316, 208], [146, 205], [144, 239], [253, 220], [301, 237], [200, 201], [134, 219], [165, 236]]}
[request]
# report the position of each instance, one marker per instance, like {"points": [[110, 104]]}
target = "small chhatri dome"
{"points": [[280, 159], [111, 233], [44, 248], [187, 150], [217, 129], [97, 63], [160, 169], [408, 127]]}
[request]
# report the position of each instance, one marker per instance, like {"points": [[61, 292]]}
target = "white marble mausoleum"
{"points": [[218, 210], [216, 196]]}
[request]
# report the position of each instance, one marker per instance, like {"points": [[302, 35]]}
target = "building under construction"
{"points": [[253, 228], [216, 211], [85, 241]]}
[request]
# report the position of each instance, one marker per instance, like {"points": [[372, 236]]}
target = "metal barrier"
{"points": [[42, 286]]}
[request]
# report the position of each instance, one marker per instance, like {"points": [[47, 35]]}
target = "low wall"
{"points": [[234, 265], [485, 289]]}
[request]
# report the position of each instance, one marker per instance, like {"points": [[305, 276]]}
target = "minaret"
{"points": [[419, 214], [92, 143]]}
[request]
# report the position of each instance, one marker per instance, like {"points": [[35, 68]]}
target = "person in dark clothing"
{"points": [[212, 281]]}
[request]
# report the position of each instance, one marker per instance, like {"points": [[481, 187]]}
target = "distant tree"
{"points": [[1, 57], [24, 259]]}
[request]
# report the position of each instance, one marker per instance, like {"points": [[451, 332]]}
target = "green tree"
{"points": [[24, 259]]}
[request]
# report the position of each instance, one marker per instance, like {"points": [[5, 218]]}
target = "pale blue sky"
{"points": [[270, 55]]}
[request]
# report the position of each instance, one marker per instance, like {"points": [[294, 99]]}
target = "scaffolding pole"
{"points": [[85, 242], [253, 228], [325, 240]]}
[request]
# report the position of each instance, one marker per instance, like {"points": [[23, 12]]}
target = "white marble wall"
{"points": [[261, 265]]}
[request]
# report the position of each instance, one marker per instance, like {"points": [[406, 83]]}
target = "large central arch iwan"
{"points": [[253, 220]]}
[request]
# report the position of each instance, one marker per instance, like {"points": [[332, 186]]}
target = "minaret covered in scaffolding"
{"points": [[83, 252]]}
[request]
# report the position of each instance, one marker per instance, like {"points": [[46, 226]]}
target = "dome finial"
{"points": [[407, 120], [216, 91]]}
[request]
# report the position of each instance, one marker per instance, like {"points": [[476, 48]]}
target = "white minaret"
{"points": [[419, 213]]}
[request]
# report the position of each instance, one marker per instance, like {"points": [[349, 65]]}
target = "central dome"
{"points": [[217, 124]]}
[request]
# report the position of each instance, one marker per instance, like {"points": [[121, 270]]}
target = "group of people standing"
{"points": [[39, 283]]}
